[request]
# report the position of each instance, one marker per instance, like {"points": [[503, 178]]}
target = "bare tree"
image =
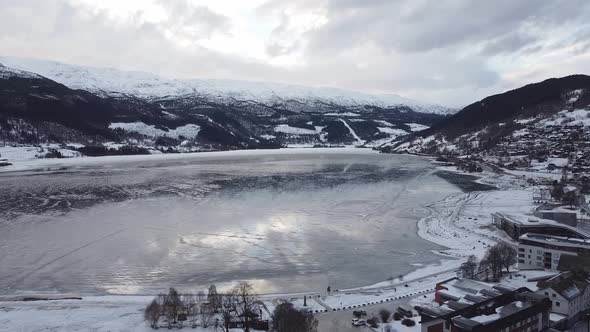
{"points": [[507, 254], [245, 304], [173, 306], [191, 307], [286, 318], [213, 297], [469, 267], [492, 262], [200, 296], [385, 315], [206, 314], [227, 310], [152, 313]]}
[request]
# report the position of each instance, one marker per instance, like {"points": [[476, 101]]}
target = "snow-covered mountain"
{"points": [[113, 82], [548, 119], [101, 111]]}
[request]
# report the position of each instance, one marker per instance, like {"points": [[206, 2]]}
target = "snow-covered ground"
{"points": [[416, 126], [187, 131], [286, 129], [22, 153], [462, 222]]}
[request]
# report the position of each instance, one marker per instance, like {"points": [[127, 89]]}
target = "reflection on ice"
{"points": [[286, 223]]}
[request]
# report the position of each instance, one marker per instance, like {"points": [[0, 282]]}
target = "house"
{"points": [[569, 293], [518, 310]]}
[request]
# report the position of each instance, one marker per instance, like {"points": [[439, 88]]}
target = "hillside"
{"points": [[544, 121]]}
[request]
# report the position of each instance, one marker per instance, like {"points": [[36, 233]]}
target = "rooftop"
{"points": [[557, 240], [494, 311], [568, 284]]}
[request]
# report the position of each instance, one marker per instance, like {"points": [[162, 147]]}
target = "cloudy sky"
{"points": [[449, 52]]}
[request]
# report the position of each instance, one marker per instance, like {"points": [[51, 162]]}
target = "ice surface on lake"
{"points": [[286, 222]]}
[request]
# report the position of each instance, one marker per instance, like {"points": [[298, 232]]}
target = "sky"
{"points": [[450, 52]]}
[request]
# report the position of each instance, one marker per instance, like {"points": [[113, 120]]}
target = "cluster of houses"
{"points": [[551, 292], [570, 140], [543, 302]]}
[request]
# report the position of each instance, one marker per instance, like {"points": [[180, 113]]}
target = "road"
{"points": [[341, 321]]}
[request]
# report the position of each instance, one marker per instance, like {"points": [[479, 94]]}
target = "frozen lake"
{"points": [[287, 222]]}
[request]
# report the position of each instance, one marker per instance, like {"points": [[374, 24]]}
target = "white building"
{"points": [[539, 252], [569, 294]]}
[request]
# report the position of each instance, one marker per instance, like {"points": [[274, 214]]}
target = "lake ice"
{"points": [[286, 222]]}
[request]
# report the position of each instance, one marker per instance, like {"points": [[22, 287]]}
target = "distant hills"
{"points": [[49, 102], [107, 111]]}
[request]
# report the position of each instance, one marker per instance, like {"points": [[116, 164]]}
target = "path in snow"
{"points": [[356, 137]]}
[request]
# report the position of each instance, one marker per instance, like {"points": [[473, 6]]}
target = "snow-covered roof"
{"points": [[568, 284]]}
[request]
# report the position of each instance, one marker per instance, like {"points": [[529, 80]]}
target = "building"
{"points": [[569, 293], [515, 311], [562, 216], [463, 290], [539, 251], [515, 225]]}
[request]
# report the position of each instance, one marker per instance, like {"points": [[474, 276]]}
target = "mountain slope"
{"points": [[531, 100], [486, 124]]}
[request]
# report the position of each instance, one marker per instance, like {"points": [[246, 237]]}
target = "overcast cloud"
{"points": [[450, 52]]}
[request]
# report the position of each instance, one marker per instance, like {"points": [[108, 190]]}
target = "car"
{"points": [[405, 310], [358, 322], [359, 313]]}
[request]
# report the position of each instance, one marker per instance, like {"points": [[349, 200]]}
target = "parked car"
{"points": [[358, 322], [405, 310], [359, 313]]}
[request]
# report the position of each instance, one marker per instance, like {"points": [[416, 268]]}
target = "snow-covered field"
{"points": [[188, 131], [24, 153], [286, 129]]}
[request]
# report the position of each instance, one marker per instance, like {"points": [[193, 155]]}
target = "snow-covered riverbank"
{"points": [[24, 158], [462, 224]]}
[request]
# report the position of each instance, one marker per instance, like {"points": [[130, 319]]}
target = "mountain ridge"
{"points": [[111, 81], [37, 110]]}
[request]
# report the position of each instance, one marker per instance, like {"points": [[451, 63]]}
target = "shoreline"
{"points": [[40, 164]]}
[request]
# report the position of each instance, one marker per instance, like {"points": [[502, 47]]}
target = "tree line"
{"points": [[238, 308]]}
